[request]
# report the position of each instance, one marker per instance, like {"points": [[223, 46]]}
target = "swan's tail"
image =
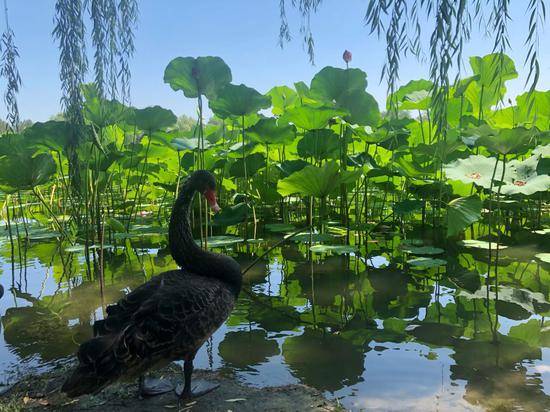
{"points": [[98, 366]]}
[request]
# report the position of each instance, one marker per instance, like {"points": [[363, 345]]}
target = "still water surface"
{"points": [[374, 333]]}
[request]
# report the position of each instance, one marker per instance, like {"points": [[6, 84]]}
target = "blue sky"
{"points": [[244, 33]]}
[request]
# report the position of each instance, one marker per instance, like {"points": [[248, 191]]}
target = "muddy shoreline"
{"points": [[41, 392]]}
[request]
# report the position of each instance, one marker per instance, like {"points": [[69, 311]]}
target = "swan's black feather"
{"points": [[165, 319], [169, 317]]}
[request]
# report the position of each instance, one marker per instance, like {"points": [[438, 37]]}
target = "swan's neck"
{"points": [[189, 256]]}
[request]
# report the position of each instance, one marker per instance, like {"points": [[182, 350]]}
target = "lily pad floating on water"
{"points": [[81, 248], [41, 234], [223, 240], [545, 257], [425, 262], [280, 227], [480, 244], [412, 242], [423, 250], [337, 249], [315, 237]]}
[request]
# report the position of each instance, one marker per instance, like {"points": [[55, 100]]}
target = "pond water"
{"points": [[374, 333]]}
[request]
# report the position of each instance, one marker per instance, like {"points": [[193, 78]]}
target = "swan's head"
{"points": [[204, 182]]}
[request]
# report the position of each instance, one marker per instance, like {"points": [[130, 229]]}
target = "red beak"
{"points": [[210, 196]]}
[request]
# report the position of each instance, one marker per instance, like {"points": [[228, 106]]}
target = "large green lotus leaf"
{"points": [[471, 135], [522, 178], [482, 99], [101, 112], [543, 167], [410, 168], [415, 95], [517, 141], [463, 85], [407, 206], [254, 162], [310, 118], [316, 181], [306, 96], [193, 76], [332, 83], [272, 131], [242, 349], [545, 257], [492, 67], [182, 144], [533, 109], [281, 98], [232, 215], [474, 169], [54, 135], [346, 88], [21, 172], [238, 100], [461, 213], [320, 144], [290, 166], [322, 360], [14, 143], [362, 107], [153, 118]]}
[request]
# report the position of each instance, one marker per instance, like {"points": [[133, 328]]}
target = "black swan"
{"points": [[169, 317]]}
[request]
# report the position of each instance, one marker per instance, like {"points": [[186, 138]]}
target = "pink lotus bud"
{"points": [[347, 56]]}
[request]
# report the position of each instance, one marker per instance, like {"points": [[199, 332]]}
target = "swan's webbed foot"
{"points": [[153, 387], [190, 390], [197, 389]]}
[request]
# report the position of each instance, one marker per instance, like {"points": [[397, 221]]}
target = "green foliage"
{"points": [[316, 181], [461, 213], [153, 118], [238, 100], [197, 76], [21, 172]]}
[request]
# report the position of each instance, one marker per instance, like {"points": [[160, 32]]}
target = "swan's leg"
{"points": [[196, 389], [153, 386]]}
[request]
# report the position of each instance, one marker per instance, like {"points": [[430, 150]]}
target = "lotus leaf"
{"points": [[238, 100], [194, 76], [461, 213]]}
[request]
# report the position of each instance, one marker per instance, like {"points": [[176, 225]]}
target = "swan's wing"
{"points": [[170, 319], [180, 316], [120, 313]]}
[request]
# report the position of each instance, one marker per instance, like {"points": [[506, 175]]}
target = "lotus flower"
{"points": [[522, 178], [474, 169], [347, 56]]}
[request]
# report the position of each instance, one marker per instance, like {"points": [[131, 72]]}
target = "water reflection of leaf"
{"points": [[41, 329], [242, 349], [494, 375], [524, 298], [324, 361]]}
